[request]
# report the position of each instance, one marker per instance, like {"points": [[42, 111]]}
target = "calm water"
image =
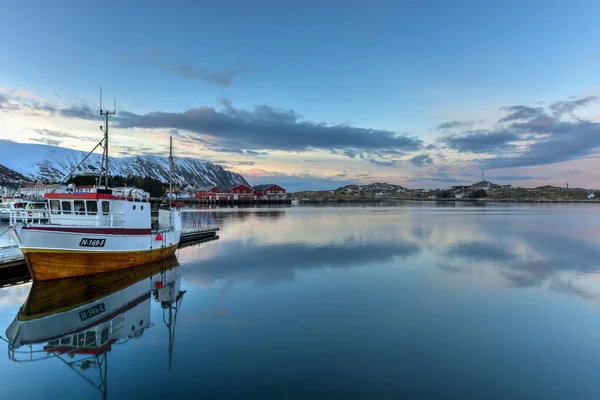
{"points": [[349, 302]]}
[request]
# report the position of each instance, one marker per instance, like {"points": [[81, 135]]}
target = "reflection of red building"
{"points": [[269, 191], [240, 192], [208, 192]]}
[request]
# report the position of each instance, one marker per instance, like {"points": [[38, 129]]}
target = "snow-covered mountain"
{"points": [[9, 177], [51, 164]]}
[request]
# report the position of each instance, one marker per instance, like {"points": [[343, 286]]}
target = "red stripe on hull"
{"points": [[97, 231]]}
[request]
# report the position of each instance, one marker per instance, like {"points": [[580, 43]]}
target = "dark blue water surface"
{"points": [[451, 301]]}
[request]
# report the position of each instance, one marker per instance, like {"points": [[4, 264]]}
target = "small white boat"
{"points": [[12, 206]]}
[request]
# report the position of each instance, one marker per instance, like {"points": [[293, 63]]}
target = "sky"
{"points": [[316, 95]]}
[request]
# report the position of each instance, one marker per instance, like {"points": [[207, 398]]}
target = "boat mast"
{"points": [[105, 130], [171, 171]]}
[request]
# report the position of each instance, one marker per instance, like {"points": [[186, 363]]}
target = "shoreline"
{"points": [[484, 200]]}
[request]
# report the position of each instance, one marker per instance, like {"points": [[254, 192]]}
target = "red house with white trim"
{"points": [[239, 192], [211, 192], [269, 191]]}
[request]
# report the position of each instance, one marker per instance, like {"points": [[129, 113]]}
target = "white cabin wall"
{"points": [[165, 220], [137, 214]]}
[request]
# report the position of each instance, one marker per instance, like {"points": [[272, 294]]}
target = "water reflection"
{"points": [[520, 246], [79, 321], [357, 302]]}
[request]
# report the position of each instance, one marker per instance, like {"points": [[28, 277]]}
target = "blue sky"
{"points": [[384, 67]]}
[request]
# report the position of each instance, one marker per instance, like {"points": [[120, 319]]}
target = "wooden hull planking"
{"points": [[45, 265]]}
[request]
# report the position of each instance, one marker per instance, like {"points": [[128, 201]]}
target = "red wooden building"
{"points": [[208, 193], [240, 192], [269, 191]]}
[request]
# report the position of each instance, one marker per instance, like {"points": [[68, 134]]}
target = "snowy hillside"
{"points": [[50, 164], [11, 178]]}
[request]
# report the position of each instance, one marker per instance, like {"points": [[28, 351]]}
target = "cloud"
{"points": [[126, 150], [531, 136], [245, 163], [253, 131], [482, 141], [256, 153], [421, 160], [51, 142], [521, 113], [374, 157], [227, 150], [562, 286], [448, 179], [62, 135], [297, 182], [81, 111], [454, 125], [3, 100], [501, 178], [269, 128], [567, 107], [222, 77], [561, 141]]}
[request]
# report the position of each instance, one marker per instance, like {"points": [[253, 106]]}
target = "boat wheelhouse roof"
{"points": [[85, 196]]}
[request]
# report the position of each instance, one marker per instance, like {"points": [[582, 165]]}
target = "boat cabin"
{"points": [[100, 208]]}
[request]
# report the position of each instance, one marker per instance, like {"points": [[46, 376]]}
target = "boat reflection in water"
{"points": [[79, 320]]}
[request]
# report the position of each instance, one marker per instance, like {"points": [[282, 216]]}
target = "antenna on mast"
{"points": [[105, 114]]}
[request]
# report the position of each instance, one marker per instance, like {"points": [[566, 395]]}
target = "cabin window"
{"points": [[92, 207], [55, 206], [141, 207], [65, 341], [66, 207], [90, 338], [105, 207], [104, 335], [79, 207], [134, 206], [80, 339]]}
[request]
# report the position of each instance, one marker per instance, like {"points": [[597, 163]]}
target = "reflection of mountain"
{"points": [[79, 320], [280, 261]]}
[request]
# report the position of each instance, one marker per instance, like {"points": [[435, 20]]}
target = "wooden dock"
{"points": [[195, 234]]}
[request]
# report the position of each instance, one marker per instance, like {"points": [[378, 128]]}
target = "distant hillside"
{"points": [[373, 188], [8, 177], [51, 164], [352, 193]]}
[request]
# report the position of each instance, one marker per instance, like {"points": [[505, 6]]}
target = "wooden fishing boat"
{"points": [[96, 230]]}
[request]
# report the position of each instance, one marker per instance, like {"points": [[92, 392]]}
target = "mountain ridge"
{"points": [[47, 164]]}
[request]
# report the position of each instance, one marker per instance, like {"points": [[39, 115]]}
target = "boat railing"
{"points": [[46, 217], [37, 352]]}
